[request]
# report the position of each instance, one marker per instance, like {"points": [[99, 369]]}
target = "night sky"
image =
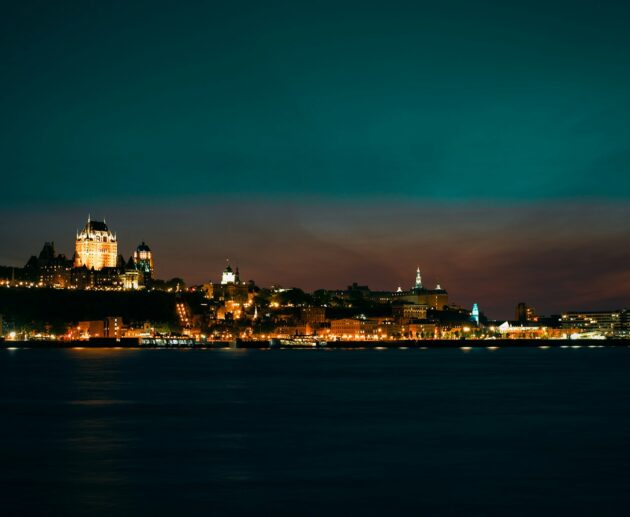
{"points": [[321, 143]]}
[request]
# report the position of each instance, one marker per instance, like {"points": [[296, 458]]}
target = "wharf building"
{"points": [[110, 327], [615, 323], [379, 328], [353, 328]]}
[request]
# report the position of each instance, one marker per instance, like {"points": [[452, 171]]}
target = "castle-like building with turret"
{"points": [[96, 246], [96, 263], [420, 295]]}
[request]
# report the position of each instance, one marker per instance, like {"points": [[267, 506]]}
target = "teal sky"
{"points": [[417, 100], [321, 143]]}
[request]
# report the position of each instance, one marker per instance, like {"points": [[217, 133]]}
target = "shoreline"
{"points": [[135, 344]]}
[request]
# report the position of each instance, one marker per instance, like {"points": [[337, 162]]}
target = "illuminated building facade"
{"points": [[49, 269], [230, 276], [409, 312], [130, 279], [419, 295], [474, 315], [230, 289], [96, 247], [418, 284], [111, 327], [349, 328], [143, 259], [608, 323]]}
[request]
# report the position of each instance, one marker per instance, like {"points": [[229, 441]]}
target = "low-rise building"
{"points": [[352, 328], [316, 315], [408, 312], [608, 323], [111, 327]]}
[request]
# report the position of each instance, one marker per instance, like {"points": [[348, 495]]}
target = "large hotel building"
{"points": [[96, 246]]}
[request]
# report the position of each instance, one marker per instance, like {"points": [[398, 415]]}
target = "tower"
{"points": [[474, 315], [143, 259], [418, 284], [96, 246]]}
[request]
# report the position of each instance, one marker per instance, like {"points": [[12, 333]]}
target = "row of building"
{"points": [[234, 308], [241, 309], [95, 264], [237, 306]]}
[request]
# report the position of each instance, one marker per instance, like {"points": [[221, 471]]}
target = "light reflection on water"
{"points": [[435, 432]]}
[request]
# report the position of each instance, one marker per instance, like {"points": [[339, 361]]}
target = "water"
{"points": [[415, 432]]}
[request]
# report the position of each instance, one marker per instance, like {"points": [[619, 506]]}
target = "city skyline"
{"points": [[548, 291]]}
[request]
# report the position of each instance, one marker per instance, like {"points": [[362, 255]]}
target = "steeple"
{"points": [[474, 314], [418, 279]]}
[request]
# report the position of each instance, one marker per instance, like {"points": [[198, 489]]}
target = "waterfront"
{"points": [[310, 343], [243, 432]]}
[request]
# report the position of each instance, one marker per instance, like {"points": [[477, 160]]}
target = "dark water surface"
{"points": [[416, 432]]}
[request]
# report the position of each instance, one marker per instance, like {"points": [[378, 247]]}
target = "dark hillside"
{"points": [[62, 306]]}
